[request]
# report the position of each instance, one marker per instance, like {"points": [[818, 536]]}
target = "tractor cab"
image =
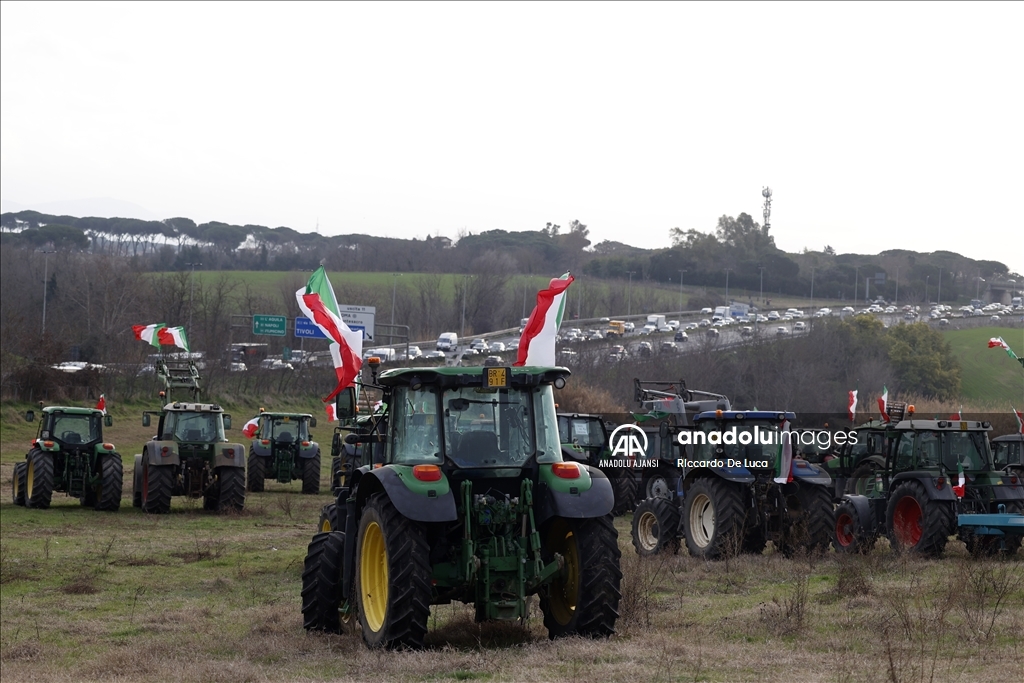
{"points": [[284, 450]]}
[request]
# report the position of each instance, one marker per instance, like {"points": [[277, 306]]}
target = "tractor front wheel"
{"points": [[157, 485], [106, 494], [713, 517], [257, 471], [18, 483], [392, 582], [311, 474], [231, 489], [329, 518], [321, 582], [583, 599], [655, 527], [852, 534], [39, 479], [624, 487], [916, 524]]}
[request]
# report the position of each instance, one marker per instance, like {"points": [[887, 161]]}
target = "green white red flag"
{"points": [[332, 412], [250, 428], [1020, 420], [173, 336], [148, 333], [537, 344], [101, 405], [883, 403], [960, 488], [319, 304], [784, 457], [851, 405], [998, 343]]}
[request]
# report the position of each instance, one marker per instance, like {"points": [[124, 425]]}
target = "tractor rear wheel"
{"points": [[321, 582], [329, 518], [916, 524], [852, 534], [655, 527], [713, 517], [624, 488], [231, 489], [257, 472], [106, 495], [392, 581], [815, 520], [311, 474], [157, 484], [18, 483], [39, 479], [583, 598]]}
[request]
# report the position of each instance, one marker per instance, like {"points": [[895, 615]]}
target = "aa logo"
{"points": [[628, 441]]}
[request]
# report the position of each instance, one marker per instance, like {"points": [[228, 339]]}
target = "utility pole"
{"points": [[897, 301], [938, 298], [191, 296], [465, 281], [856, 283], [394, 291], [629, 305], [727, 286], [926, 278], [812, 289], [46, 257], [761, 268], [681, 289]]}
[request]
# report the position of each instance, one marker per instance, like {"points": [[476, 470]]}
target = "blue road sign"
{"points": [[305, 328]]}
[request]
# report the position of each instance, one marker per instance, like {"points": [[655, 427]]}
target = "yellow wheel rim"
{"points": [[565, 589], [17, 490], [374, 576], [325, 525], [30, 478]]}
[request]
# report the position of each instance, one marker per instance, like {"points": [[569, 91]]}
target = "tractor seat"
{"points": [[478, 447], [71, 437], [285, 437]]}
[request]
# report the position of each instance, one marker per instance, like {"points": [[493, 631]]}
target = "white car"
{"points": [[774, 315], [781, 330], [692, 326], [629, 327], [799, 326], [479, 345], [673, 325], [706, 311], [847, 309], [646, 329], [415, 352], [497, 347], [704, 323]]}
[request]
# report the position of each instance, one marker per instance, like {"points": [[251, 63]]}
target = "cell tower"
{"points": [[767, 194]]}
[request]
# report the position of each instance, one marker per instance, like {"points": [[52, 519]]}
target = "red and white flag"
{"points": [[784, 458], [250, 428], [851, 405], [173, 336], [332, 412], [101, 405], [998, 343], [537, 344], [883, 403], [959, 415], [1020, 420], [318, 303], [148, 333]]}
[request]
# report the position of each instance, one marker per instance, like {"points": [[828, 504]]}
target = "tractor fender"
{"points": [[930, 484], [309, 451], [259, 449], [810, 473], [229, 455], [862, 505], [161, 453], [1008, 492], [404, 493], [595, 500]]}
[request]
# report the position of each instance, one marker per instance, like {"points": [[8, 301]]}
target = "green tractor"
{"points": [[284, 450], [915, 499], [69, 455], [189, 456], [585, 439], [471, 502]]}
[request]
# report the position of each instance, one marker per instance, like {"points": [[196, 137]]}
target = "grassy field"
{"points": [[195, 596], [989, 374]]}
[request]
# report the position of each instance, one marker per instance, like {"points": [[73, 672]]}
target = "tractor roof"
{"points": [[585, 416], [1009, 437], [275, 414], [471, 376], [945, 425], [741, 415], [72, 410], [179, 406]]}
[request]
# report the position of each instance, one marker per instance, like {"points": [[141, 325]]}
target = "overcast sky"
{"points": [[876, 126]]}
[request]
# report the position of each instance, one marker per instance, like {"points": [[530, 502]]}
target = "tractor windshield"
{"points": [[934, 449], [1007, 453], [581, 431], [76, 429], [194, 426], [759, 444], [285, 429]]}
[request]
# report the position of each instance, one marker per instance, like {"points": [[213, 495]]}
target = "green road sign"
{"points": [[273, 325]]}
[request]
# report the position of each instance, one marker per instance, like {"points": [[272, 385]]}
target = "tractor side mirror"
{"points": [[108, 420], [30, 416], [344, 405], [663, 430], [312, 422], [145, 419], [227, 422]]}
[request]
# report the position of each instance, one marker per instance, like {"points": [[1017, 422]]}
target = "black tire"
{"points": [[257, 472], [583, 599], [137, 482], [624, 488], [321, 582], [658, 485], [157, 485], [106, 495], [399, 545], [18, 483], [329, 518], [813, 522], [916, 524], [336, 473], [39, 479], [311, 474], [989, 546], [852, 534], [862, 481], [713, 516], [231, 489], [655, 527]]}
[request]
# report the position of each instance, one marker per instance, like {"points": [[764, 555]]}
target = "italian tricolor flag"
{"points": [[1020, 420], [101, 405], [148, 333], [883, 403], [318, 303], [250, 428], [998, 343], [332, 412], [851, 405], [537, 345], [173, 336], [784, 458], [960, 487]]}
